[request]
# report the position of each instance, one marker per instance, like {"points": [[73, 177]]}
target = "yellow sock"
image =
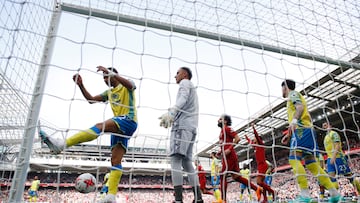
{"points": [[300, 173], [324, 180], [241, 196], [356, 185], [80, 137], [114, 179], [217, 194]]}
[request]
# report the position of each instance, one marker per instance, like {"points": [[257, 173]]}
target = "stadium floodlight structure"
{"points": [[316, 31]]}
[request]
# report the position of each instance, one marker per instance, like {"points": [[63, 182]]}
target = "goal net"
{"points": [[239, 53]]}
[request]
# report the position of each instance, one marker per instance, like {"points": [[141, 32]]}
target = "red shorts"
{"points": [[230, 162], [262, 168], [202, 184]]}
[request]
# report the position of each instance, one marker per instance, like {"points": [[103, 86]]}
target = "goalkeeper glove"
{"points": [[167, 119]]}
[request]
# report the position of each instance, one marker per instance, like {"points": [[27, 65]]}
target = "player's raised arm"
{"points": [[257, 136], [248, 139], [111, 72], [91, 99]]}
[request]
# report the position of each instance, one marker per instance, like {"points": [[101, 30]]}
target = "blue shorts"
{"points": [[104, 189], [126, 128], [341, 166], [215, 183], [243, 186], [268, 179], [304, 140], [33, 193]]}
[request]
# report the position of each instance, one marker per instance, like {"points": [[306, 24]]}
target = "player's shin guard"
{"points": [[217, 194], [114, 179], [316, 170], [83, 136], [299, 172], [356, 184], [335, 183]]}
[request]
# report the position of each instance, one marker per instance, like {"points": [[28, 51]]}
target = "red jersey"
{"points": [[259, 153], [201, 173], [226, 138], [202, 177], [226, 141], [259, 150]]}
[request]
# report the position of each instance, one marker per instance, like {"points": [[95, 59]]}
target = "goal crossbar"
{"points": [[71, 8]]}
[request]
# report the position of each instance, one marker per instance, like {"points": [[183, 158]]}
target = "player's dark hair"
{"points": [[289, 83], [112, 69], [227, 118], [188, 71]]}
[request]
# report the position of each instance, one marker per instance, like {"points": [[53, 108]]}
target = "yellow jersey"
{"points": [[122, 101], [330, 139], [245, 173], [35, 185], [305, 119], [215, 167]]}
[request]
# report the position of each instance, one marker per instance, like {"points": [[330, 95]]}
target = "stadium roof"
{"points": [[335, 97]]}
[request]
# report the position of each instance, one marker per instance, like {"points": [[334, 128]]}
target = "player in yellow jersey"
{"points": [[105, 187], [121, 97], [337, 162], [215, 176], [33, 190], [245, 173], [268, 180], [303, 144]]}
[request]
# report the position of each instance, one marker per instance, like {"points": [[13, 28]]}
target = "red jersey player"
{"points": [[230, 163], [202, 178], [262, 166]]}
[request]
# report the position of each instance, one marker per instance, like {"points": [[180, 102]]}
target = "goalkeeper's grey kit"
{"points": [[183, 131]]}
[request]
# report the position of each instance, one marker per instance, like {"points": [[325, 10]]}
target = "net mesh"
{"points": [[147, 41]]}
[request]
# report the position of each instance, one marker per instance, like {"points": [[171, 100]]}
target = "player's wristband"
{"points": [[294, 121]]}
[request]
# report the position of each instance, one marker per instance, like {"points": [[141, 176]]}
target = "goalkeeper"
{"points": [[183, 118]]}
